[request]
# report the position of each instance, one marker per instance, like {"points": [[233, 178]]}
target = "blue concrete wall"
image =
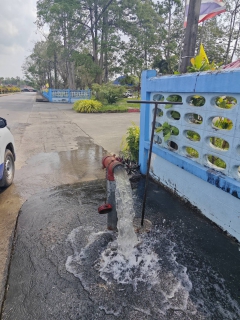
{"points": [[66, 95], [204, 83]]}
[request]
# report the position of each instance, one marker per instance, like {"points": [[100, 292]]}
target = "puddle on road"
{"points": [[46, 170]]}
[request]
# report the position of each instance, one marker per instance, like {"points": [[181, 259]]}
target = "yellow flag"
{"points": [[202, 54]]}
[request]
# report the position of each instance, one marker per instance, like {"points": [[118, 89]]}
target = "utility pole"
{"points": [[55, 69], [190, 34]]}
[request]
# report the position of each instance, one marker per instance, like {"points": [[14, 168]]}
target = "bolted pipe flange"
{"points": [[110, 162], [107, 160], [110, 169]]}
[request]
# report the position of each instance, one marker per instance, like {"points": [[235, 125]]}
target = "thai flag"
{"points": [[208, 10]]}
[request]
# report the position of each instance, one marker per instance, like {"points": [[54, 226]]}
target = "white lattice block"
{"points": [[234, 171]]}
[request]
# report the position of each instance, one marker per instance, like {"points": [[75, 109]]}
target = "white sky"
{"points": [[17, 35]]}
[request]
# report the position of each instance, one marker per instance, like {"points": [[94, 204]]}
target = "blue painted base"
{"points": [[1, 170], [211, 176]]}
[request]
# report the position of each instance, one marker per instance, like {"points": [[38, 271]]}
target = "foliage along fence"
{"points": [[6, 89], [66, 95], [196, 150]]}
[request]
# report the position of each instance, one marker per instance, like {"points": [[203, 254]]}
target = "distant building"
{"points": [[232, 65]]}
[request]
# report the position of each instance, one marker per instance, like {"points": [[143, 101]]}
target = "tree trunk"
{"points": [[55, 70], [190, 34]]}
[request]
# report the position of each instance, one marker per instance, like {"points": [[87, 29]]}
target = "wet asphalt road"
{"points": [[55, 146], [58, 224]]}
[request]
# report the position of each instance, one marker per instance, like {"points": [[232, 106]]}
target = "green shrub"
{"points": [[87, 106], [108, 92], [130, 143]]}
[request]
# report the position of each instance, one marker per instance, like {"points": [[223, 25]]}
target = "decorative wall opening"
{"points": [[225, 102], [192, 135], [172, 145], [194, 118], [219, 143], [175, 131], [222, 123], [191, 152], [173, 98], [196, 101], [158, 97], [157, 139], [216, 161], [174, 115], [157, 125], [159, 112]]}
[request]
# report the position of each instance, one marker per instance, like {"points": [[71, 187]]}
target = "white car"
{"points": [[7, 155]]}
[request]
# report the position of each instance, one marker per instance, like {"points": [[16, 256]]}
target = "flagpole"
{"points": [[190, 34]]}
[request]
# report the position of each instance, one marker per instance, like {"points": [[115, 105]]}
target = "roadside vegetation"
{"points": [[130, 143], [9, 89], [107, 98]]}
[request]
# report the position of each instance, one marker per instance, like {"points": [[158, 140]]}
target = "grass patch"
{"points": [[120, 106], [130, 105], [112, 108]]}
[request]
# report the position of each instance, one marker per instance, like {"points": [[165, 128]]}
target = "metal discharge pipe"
{"points": [[110, 163]]}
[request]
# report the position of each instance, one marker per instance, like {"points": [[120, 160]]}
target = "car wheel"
{"points": [[8, 170]]}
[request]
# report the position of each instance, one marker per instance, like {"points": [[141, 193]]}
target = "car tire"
{"points": [[8, 170]]}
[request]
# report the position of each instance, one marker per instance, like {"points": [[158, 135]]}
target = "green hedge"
{"points": [[87, 106]]}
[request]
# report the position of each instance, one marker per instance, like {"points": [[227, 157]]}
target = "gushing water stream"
{"points": [[126, 238]]}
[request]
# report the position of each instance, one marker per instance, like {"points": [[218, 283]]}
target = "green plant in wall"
{"points": [[167, 130], [130, 143]]}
